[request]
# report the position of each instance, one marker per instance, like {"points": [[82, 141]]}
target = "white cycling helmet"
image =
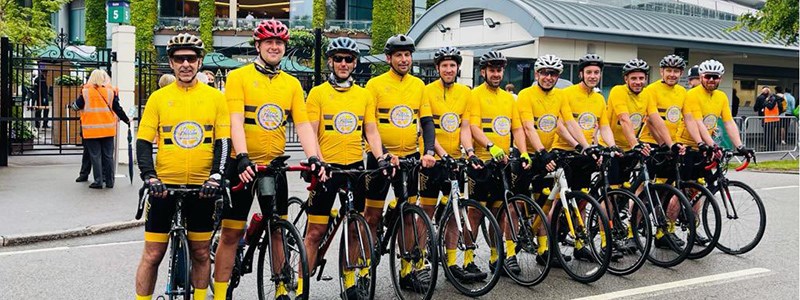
{"points": [[548, 61], [711, 67]]}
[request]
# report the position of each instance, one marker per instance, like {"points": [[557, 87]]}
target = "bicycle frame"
{"points": [[643, 179]]}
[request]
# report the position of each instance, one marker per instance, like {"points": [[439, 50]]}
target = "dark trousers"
{"points": [[771, 135], [101, 154], [40, 116], [86, 162]]}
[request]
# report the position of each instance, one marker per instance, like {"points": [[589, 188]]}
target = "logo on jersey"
{"points": [[547, 123], [270, 116], [188, 134], [449, 122], [401, 116], [636, 120], [345, 122], [587, 121], [673, 114], [710, 121], [501, 125]]}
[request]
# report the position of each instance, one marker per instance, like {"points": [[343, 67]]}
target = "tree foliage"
{"points": [[431, 3], [96, 23], [28, 25], [777, 19], [389, 17], [318, 21], [207, 15], [144, 14]]}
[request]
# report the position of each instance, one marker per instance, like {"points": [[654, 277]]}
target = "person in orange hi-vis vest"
{"points": [[99, 106]]}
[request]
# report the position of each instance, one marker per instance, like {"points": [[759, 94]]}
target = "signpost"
{"points": [[119, 11]]}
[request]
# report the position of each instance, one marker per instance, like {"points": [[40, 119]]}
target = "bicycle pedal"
{"points": [[326, 278]]}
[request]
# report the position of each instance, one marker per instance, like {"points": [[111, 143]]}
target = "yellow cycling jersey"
{"points": [[669, 102], [708, 106], [186, 121], [587, 109], [638, 107], [341, 116], [448, 109], [544, 109], [495, 112], [399, 106], [266, 104]]}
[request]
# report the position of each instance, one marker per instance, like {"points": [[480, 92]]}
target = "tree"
{"points": [[318, 21], [777, 19], [28, 25], [144, 14], [431, 3], [207, 14], [389, 17], [96, 23]]}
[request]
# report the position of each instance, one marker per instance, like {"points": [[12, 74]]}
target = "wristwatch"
{"points": [[430, 152]]}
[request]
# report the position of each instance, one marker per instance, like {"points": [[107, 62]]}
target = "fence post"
{"points": [[317, 56], [5, 99]]}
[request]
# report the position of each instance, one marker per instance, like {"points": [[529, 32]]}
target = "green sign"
{"points": [[119, 12]]}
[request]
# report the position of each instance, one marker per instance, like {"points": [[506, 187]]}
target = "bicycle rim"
{"points": [[180, 284], [565, 243], [743, 233], [526, 245], [282, 270], [668, 253], [413, 253], [629, 233], [708, 219], [297, 214], [362, 267]]}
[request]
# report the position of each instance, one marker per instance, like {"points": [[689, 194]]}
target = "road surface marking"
{"points": [[778, 188], [677, 284], [66, 248]]}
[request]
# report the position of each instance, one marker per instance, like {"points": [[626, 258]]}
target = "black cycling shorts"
{"points": [[434, 180], [235, 217], [486, 189], [694, 164], [320, 200], [620, 169], [378, 186], [199, 214]]}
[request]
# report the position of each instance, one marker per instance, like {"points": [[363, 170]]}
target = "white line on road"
{"points": [[67, 248], [676, 284], [779, 188]]}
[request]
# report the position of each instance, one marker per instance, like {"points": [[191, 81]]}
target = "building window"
{"points": [[359, 10], [77, 25], [264, 9]]}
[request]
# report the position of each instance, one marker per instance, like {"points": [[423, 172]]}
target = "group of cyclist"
{"points": [[206, 138]]}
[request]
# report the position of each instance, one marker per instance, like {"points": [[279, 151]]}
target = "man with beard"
{"points": [[260, 97]]}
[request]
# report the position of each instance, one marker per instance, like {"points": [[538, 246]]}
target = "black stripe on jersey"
{"points": [[207, 140], [384, 121], [383, 110], [250, 121], [250, 108], [166, 128], [167, 141], [208, 127], [488, 130]]}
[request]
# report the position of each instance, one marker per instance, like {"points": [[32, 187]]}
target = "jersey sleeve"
{"points": [[616, 100], [299, 114], [566, 110], [691, 106], [650, 99], [524, 106], [475, 110], [515, 121], [424, 102], [222, 121], [726, 110], [313, 106], [369, 113], [466, 97], [148, 124], [604, 120], [234, 93]]}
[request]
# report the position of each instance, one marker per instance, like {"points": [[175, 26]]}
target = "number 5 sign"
{"points": [[119, 11]]}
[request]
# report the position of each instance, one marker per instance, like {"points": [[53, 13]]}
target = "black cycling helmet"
{"points": [[635, 65], [446, 53], [590, 59], [342, 44], [672, 61], [399, 42], [694, 72], [493, 58], [185, 41]]}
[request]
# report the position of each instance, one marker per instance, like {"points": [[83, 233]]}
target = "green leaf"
{"points": [[777, 19], [207, 15], [96, 23]]}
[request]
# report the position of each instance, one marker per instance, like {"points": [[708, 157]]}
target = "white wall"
{"points": [[572, 50], [505, 32]]}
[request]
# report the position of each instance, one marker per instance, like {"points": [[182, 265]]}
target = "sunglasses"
{"points": [[551, 73], [179, 59], [347, 59], [711, 77]]}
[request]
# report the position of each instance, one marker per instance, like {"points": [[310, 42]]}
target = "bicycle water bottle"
{"points": [[251, 236]]}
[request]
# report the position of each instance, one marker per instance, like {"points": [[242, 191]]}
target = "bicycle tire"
{"points": [[723, 244], [711, 224], [640, 228], [180, 267], [492, 277], [428, 257], [299, 219], [293, 244], [686, 215], [526, 249], [601, 257], [363, 227]]}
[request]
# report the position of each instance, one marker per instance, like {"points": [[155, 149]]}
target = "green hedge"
{"points": [[144, 14], [207, 15], [96, 23], [320, 12], [389, 17], [431, 3]]}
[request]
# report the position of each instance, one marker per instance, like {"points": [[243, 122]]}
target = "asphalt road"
{"points": [[103, 266]]}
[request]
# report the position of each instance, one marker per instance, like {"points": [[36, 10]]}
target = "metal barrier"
{"points": [[779, 136]]}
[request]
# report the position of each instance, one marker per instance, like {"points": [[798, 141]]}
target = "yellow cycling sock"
{"points": [[493, 256], [451, 257], [659, 233], [220, 290], [542, 240], [299, 290], [630, 231], [364, 272], [421, 263], [602, 239], [280, 290], [148, 297], [469, 257], [670, 226], [349, 279], [405, 267], [578, 244], [511, 248], [200, 294]]}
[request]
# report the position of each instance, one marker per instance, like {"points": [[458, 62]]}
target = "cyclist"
{"points": [[399, 105], [339, 112], [192, 123], [494, 121], [260, 97], [448, 100]]}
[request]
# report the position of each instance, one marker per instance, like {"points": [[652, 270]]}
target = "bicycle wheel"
{"points": [[467, 247], [629, 233], [674, 236], [179, 285], [413, 253], [592, 263], [708, 218], [363, 269], [531, 273], [743, 212], [297, 214], [278, 270]]}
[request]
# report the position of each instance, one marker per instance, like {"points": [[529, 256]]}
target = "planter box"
{"points": [[65, 132], [19, 147]]}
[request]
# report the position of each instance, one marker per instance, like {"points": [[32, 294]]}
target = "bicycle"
{"points": [[457, 233], [402, 224], [736, 209], [627, 224], [283, 262]]}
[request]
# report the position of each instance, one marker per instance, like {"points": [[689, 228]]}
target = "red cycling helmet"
{"points": [[271, 29]]}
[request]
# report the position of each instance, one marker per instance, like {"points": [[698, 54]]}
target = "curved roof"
{"points": [[613, 24]]}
